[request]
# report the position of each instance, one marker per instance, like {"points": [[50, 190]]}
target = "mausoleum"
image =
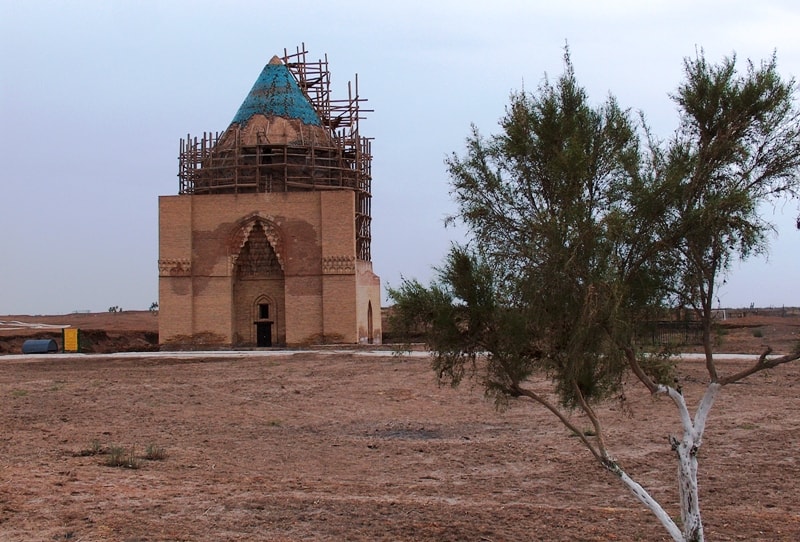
{"points": [[268, 240]]}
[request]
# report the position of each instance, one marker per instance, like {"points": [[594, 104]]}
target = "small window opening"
{"points": [[263, 311]]}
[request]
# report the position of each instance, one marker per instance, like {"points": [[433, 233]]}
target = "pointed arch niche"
{"points": [[258, 284], [369, 323]]}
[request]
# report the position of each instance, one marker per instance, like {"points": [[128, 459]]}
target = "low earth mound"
{"points": [[738, 331], [751, 331], [127, 331]]}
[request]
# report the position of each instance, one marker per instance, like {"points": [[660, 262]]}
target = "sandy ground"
{"points": [[341, 446]]}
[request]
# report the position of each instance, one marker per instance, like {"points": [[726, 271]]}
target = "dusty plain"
{"points": [[349, 445]]}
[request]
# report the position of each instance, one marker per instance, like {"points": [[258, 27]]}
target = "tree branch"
{"points": [[703, 410], [761, 364], [638, 371], [680, 402], [651, 503], [524, 392], [598, 429]]}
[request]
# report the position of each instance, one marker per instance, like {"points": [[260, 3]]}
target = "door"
{"points": [[264, 334], [369, 323]]}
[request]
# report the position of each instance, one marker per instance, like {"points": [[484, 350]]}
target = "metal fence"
{"points": [[663, 333]]}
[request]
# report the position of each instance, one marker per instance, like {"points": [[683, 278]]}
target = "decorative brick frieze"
{"points": [[179, 267], [339, 265]]}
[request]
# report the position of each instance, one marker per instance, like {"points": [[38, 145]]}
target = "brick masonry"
{"points": [[314, 288]]}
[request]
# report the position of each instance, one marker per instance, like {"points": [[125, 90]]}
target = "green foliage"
{"points": [[581, 234], [460, 317], [557, 266], [737, 147], [659, 366]]}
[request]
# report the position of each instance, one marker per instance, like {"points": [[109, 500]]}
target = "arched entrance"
{"points": [[264, 312], [258, 284], [369, 322]]}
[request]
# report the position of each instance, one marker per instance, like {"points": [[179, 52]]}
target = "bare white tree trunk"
{"points": [[687, 489], [648, 501], [686, 450]]}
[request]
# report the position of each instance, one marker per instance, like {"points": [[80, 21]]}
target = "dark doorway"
{"points": [[264, 333], [369, 323]]}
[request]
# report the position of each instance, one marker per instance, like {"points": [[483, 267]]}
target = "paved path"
{"points": [[205, 354], [242, 354]]}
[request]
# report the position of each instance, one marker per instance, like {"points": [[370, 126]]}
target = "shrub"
{"points": [[121, 457], [153, 452]]}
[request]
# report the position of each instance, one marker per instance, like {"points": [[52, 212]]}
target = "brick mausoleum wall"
{"points": [[325, 290]]}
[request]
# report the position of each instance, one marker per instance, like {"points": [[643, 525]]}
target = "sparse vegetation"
{"points": [[154, 452], [119, 456], [56, 385]]}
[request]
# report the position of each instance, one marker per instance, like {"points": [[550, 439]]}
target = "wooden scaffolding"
{"points": [[219, 163]]}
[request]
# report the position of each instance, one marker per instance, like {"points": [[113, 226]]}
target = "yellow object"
{"points": [[72, 341]]}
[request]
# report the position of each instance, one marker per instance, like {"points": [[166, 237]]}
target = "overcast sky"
{"points": [[95, 96]]}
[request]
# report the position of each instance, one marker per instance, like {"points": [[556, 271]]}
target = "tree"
{"points": [[736, 149], [579, 233]]}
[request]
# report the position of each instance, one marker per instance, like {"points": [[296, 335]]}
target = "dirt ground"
{"points": [[343, 445]]}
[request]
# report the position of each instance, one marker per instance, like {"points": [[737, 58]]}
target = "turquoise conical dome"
{"points": [[276, 94]]}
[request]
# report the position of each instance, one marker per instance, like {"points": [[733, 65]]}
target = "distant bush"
{"points": [[153, 452], [122, 457]]}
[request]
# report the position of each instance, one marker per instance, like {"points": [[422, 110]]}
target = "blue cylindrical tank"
{"points": [[39, 346]]}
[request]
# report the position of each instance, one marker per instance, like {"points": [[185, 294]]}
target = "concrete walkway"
{"points": [[206, 354], [242, 354]]}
